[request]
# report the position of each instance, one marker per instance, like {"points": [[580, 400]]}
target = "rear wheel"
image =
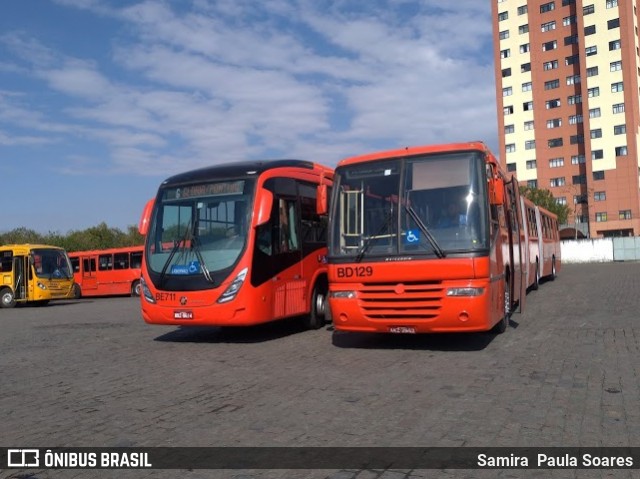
{"points": [[315, 318], [76, 291], [536, 281], [136, 288], [7, 298], [553, 269]]}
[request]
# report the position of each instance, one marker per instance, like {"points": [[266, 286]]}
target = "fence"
{"points": [[601, 250]]}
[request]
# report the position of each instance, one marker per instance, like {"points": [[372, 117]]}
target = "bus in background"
{"points": [[34, 273], [237, 244], [425, 239], [543, 241], [107, 272]]}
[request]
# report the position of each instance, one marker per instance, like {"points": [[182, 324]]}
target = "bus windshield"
{"points": [[50, 263], [199, 230], [422, 205]]}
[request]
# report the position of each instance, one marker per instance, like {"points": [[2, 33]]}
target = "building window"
{"points": [[576, 139], [574, 99], [594, 112], [621, 151], [552, 65], [573, 79], [615, 66], [589, 51], [504, 34], [555, 103], [550, 85], [611, 24], [531, 164], [614, 45], [511, 167], [557, 182], [510, 148], [552, 45], [508, 110], [547, 7], [522, 10], [579, 179], [568, 2], [503, 16], [618, 108], [522, 29], [527, 106], [570, 20], [509, 129], [532, 183], [612, 3], [572, 60], [590, 30], [617, 87], [524, 48], [530, 145], [527, 86], [596, 133], [548, 26], [575, 119], [624, 214], [506, 53], [577, 159], [561, 200], [588, 9], [619, 129], [598, 175], [593, 92], [580, 199], [600, 196], [601, 217], [554, 123], [506, 72], [555, 142], [507, 91], [528, 125], [592, 71], [597, 154], [525, 67], [556, 162]]}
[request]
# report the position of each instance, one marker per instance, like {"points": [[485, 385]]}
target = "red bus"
{"points": [[426, 239], [543, 240], [114, 271], [237, 244]]}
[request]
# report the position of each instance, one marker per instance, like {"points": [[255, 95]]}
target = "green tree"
{"points": [[21, 235], [545, 199]]}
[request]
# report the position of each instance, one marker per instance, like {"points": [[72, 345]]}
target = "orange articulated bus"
{"points": [[107, 272], [426, 239], [237, 244]]}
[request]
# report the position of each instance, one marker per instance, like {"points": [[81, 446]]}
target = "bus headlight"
{"points": [[146, 292], [465, 291], [42, 285], [342, 294], [231, 292]]}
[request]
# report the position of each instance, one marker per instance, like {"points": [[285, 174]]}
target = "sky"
{"points": [[101, 100]]}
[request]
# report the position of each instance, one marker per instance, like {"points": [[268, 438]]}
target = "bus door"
{"points": [[89, 278], [517, 245], [21, 278]]}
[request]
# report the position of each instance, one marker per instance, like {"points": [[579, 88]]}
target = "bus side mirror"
{"points": [[321, 200], [265, 204], [496, 191], [143, 226]]}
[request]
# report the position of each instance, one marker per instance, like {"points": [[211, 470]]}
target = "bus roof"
{"points": [[29, 246], [119, 249], [239, 169], [416, 150]]}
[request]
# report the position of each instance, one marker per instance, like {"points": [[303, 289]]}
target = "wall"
{"points": [[587, 251]]}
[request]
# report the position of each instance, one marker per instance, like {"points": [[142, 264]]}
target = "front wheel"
{"points": [[7, 298], [136, 288], [315, 318], [536, 281], [501, 326]]}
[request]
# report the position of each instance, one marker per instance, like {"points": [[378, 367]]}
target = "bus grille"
{"points": [[401, 301]]}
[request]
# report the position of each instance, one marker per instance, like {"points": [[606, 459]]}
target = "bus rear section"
{"points": [[420, 242], [34, 274], [107, 272], [236, 245]]}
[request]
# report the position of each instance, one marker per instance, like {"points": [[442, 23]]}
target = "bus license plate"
{"points": [[402, 329], [182, 314]]}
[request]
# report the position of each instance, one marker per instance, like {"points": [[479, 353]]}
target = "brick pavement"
{"points": [[91, 373]]}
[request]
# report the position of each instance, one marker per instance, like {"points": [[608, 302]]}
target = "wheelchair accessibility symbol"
{"points": [[413, 236], [194, 267]]}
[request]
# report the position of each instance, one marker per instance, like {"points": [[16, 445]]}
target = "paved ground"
{"points": [[92, 373]]}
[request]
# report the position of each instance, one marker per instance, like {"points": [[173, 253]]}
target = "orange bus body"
{"points": [[107, 272], [418, 274], [236, 245]]}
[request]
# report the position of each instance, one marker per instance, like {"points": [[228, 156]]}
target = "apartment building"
{"points": [[568, 106]]}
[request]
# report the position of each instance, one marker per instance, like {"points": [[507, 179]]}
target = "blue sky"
{"points": [[102, 100]]}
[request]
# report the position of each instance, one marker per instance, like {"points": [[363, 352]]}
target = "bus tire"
{"points": [[76, 291], [501, 326], [136, 288], [315, 318], [536, 280], [7, 298], [553, 269]]}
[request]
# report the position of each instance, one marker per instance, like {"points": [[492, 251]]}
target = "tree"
{"points": [[545, 199]]}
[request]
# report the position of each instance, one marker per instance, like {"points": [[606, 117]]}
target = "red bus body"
{"points": [[237, 244], [543, 240], [418, 274], [107, 272]]}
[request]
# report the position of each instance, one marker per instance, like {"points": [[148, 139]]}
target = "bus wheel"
{"points": [[315, 318], [7, 299], [136, 289], [536, 281], [501, 326], [76, 291], [553, 269]]}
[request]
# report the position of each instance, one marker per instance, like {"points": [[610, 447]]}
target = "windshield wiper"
{"points": [[196, 249], [434, 244], [382, 229], [173, 252]]}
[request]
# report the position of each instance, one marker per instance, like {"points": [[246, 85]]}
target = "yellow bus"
{"points": [[34, 273]]}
